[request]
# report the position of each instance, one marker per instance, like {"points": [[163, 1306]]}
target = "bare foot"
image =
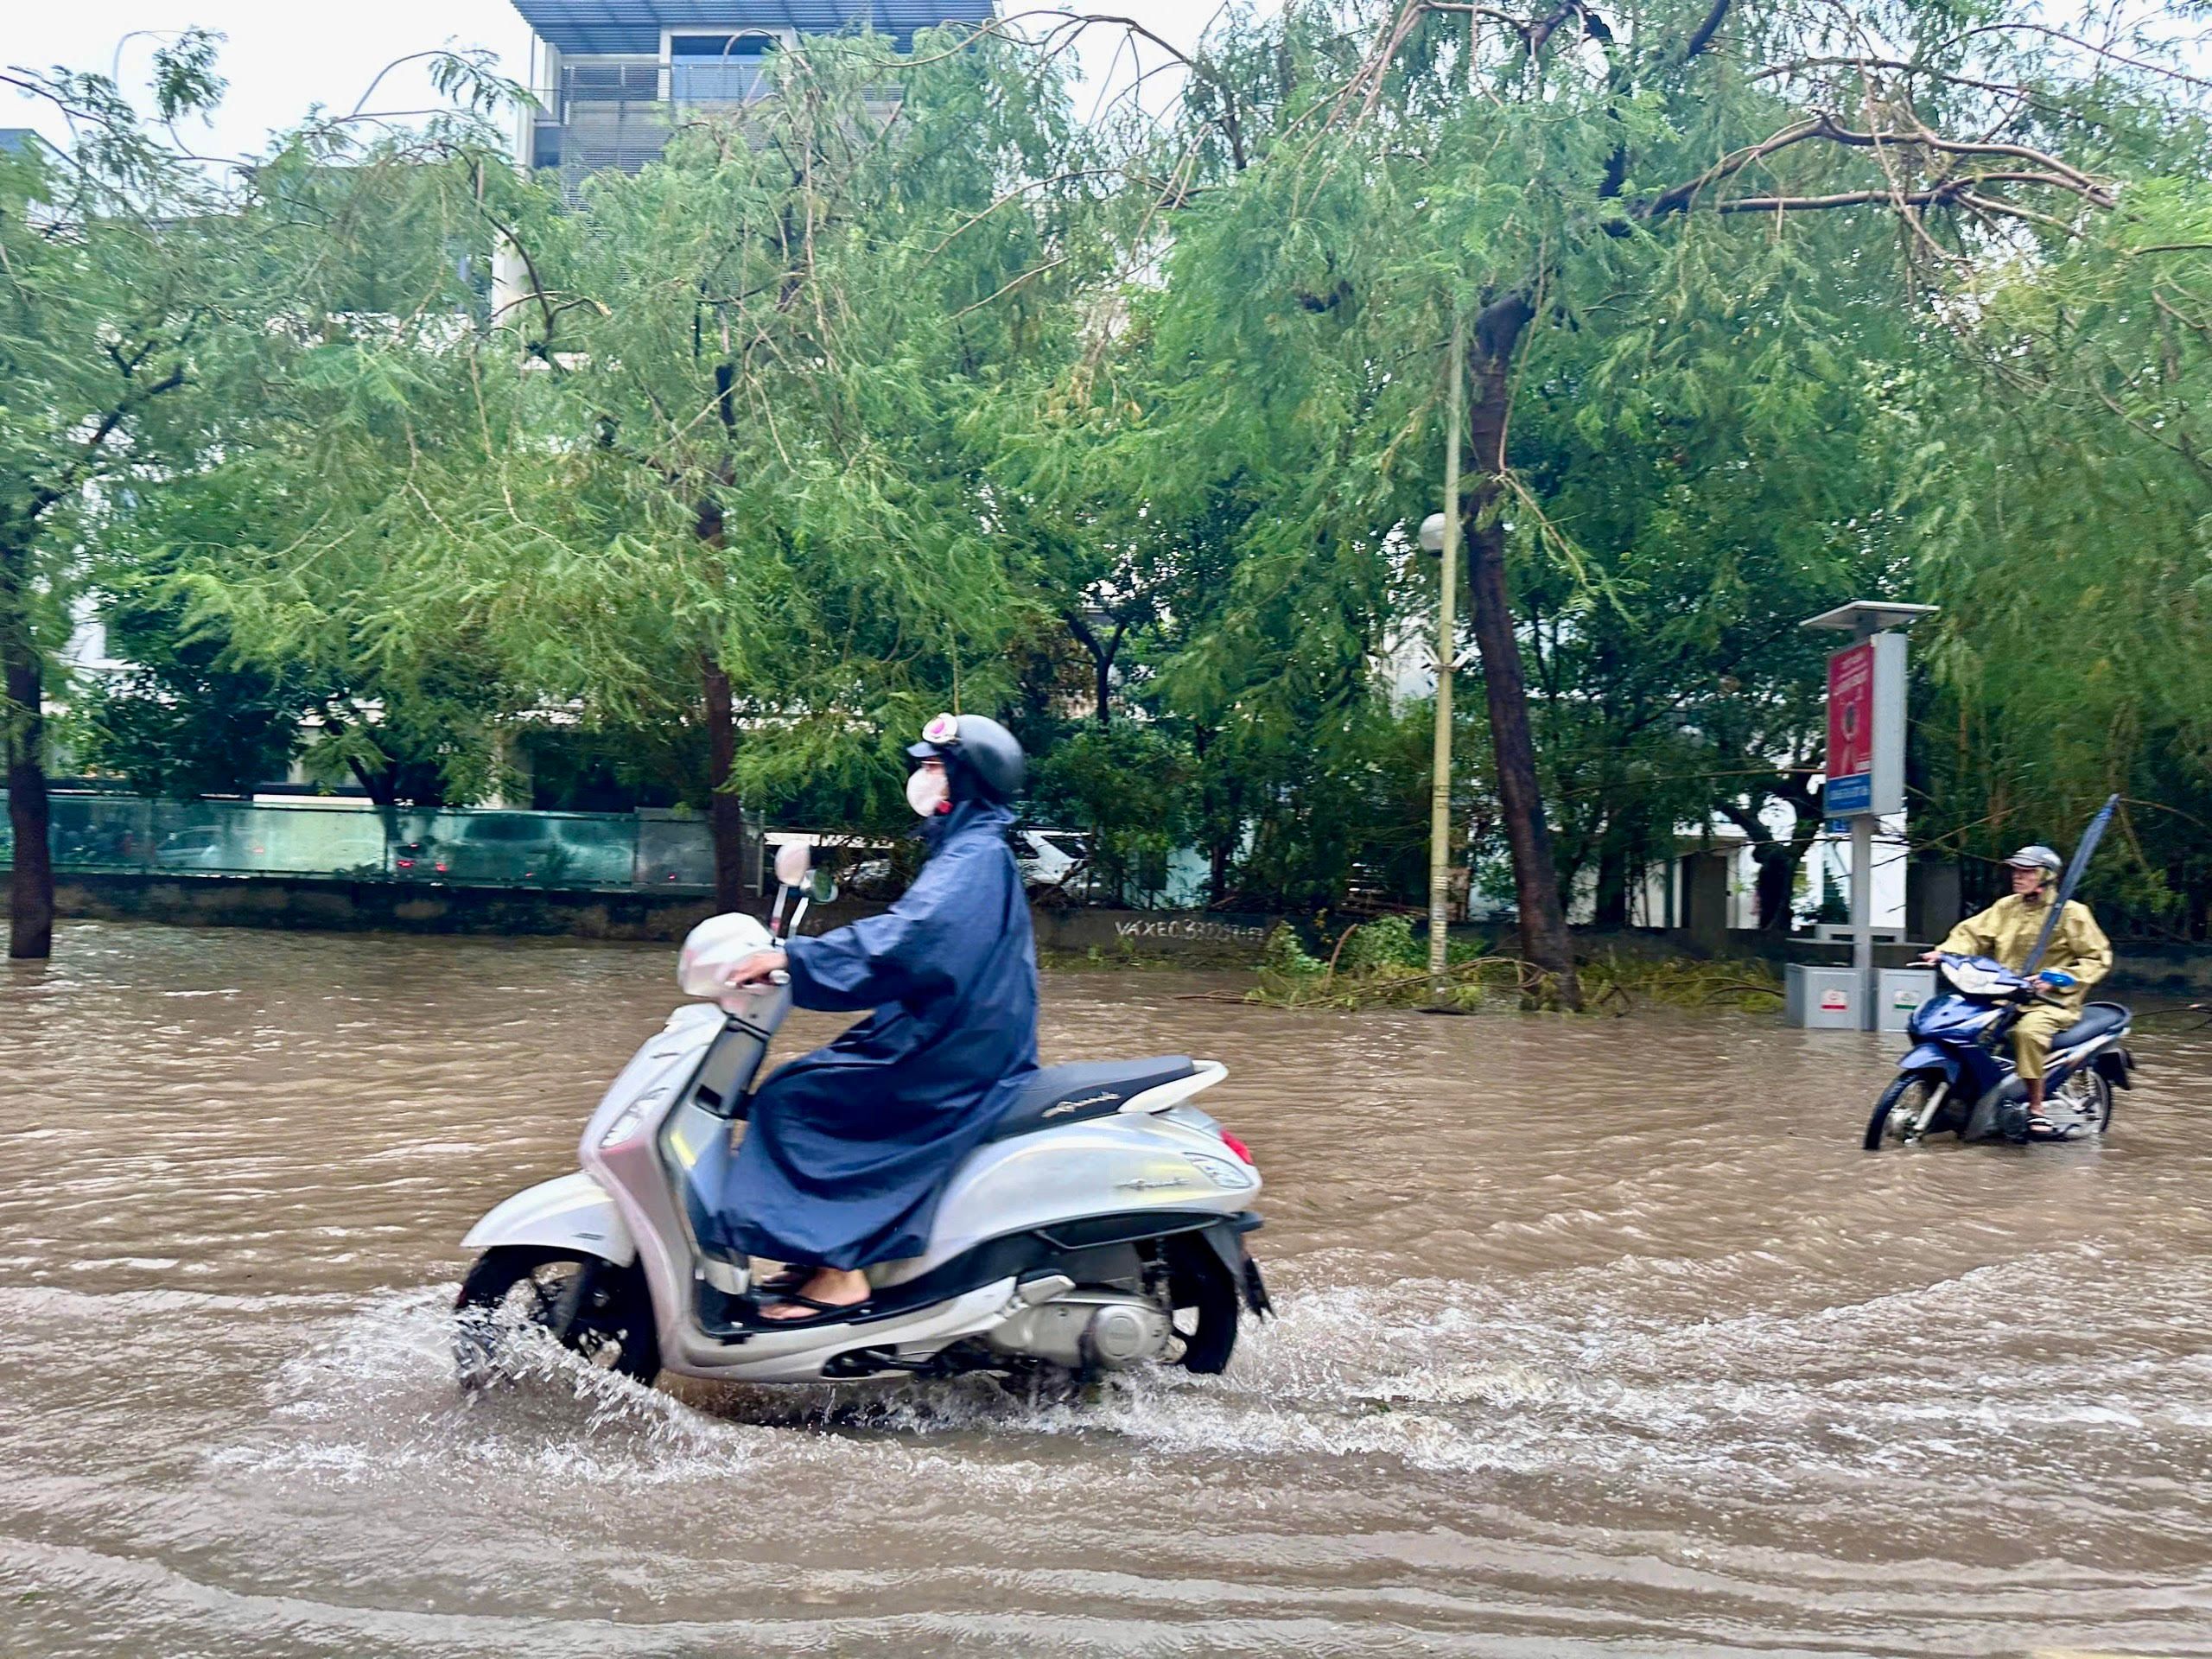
{"points": [[832, 1287]]}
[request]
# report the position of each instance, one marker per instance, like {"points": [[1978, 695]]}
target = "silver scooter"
{"points": [[1101, 1227]]}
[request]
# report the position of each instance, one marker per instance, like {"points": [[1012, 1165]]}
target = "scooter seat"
{"points": [[1068, 1094], [2096, 1019]]}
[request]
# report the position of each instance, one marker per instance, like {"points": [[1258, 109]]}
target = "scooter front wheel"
{"points": [[1900, 1108], [596, 1310]]}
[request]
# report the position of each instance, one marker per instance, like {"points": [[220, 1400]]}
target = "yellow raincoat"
{"points": [[2007, 930]]}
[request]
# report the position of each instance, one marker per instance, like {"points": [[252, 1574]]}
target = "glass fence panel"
{"points": [[242, 838], [318, 840], [676, 852], [359, 841], [101, 832], [538, 849]]}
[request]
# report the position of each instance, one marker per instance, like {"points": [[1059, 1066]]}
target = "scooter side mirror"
{"points": [[793, 859], [823, 890]]}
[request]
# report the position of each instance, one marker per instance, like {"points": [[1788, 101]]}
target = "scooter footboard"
{"points": [[572, 1212]]}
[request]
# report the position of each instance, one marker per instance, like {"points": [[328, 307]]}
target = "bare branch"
{"points": [[2057, 175], [1703, 35]]}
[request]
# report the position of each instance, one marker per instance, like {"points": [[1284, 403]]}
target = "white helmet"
{"points": [[2035, 857]]}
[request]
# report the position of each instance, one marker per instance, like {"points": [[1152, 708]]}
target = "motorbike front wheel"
{"points": [[1900, 1106], [598, 1311]]}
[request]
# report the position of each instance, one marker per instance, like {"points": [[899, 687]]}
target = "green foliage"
{"points": [[1129, 785], [1283, 956], [2068, 543], [863, 411]]}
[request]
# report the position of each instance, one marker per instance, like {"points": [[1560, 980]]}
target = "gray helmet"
{"points": [[2036, 857], [980, 756]]}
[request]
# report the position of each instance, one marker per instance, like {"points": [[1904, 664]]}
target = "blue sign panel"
{"points": [[1844, 796]]}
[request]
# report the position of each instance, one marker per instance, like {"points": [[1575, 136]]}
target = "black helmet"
{"points": [[982, 756]]}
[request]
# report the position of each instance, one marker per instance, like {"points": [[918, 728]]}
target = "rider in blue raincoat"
{"points": [[847, 1148]]}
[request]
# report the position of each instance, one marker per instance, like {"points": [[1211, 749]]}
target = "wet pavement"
{"points": [[1596, 1335]]}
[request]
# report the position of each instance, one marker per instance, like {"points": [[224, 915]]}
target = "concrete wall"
{"points": [[1201, 936]]}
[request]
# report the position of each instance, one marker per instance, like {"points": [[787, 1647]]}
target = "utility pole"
{"points": [[1447, 547]]}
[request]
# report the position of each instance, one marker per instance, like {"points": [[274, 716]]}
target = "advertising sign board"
{"points": [[1865, 757]]}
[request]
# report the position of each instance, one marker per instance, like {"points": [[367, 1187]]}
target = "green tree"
{"points": [[2067, 541], [1565, 177], [769, 368], [119, 284], [157, 316]]}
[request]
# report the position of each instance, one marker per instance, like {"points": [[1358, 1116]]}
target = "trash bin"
{"points": [[1821, 999], [1899, 992]]}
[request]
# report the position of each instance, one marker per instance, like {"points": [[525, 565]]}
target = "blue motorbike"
{"points": [[1959, 1079]]}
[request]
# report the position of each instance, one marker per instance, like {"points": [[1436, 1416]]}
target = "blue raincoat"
{"points": [[847, 1149]]}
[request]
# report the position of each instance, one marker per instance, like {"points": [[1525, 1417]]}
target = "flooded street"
{"points": [[1594, 1335]]}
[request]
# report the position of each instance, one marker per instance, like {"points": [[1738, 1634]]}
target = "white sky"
{"points": [[281, 56]]}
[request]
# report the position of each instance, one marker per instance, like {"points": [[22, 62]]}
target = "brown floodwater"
{"points": [[1596, 1336]]}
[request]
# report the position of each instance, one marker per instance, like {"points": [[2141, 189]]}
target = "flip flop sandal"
{"points": [[778, 1283], [819, 1316]]}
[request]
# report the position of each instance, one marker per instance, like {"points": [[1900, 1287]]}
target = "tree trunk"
{"points": [[1544, 941], [1614, 875], [725, 812], [1103, 653], [30, 887], [1777, 884]]}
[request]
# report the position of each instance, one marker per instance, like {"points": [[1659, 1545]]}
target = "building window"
{"points": [[719, 68]]}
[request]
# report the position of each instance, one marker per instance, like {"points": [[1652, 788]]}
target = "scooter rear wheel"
{"points": [[597, 1310], [1207, 1303], [1901, 1105]]}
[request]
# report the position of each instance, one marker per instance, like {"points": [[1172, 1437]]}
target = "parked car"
{"points": [[420, 860], [501, 847], [195, 849], [1052, 860]]}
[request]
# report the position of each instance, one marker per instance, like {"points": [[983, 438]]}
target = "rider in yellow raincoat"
{"points": [[2079, 956]]}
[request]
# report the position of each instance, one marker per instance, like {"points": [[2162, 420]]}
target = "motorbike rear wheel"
{"points": [[1900, 1106], [2089, 1093], [597, 1310]]}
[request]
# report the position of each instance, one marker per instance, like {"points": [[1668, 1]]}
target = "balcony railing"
{"points": [[717, 80], [623, 81]]}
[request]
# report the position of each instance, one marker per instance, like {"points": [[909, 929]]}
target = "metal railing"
{"points": [[653, 851], [716, 81]]}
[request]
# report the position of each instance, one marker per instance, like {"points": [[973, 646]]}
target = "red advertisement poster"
{"points": [[1851, 713]]}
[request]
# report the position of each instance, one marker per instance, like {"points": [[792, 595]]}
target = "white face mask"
{"points": [[926, 791]]}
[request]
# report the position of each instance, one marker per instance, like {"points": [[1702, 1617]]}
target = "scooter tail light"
{"points": [[1239, 1148]]}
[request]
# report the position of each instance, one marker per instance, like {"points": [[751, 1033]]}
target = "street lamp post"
{"points": [[1439, 534]]}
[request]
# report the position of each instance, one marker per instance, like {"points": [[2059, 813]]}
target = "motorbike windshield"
{"points": [[1981, 976]]}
